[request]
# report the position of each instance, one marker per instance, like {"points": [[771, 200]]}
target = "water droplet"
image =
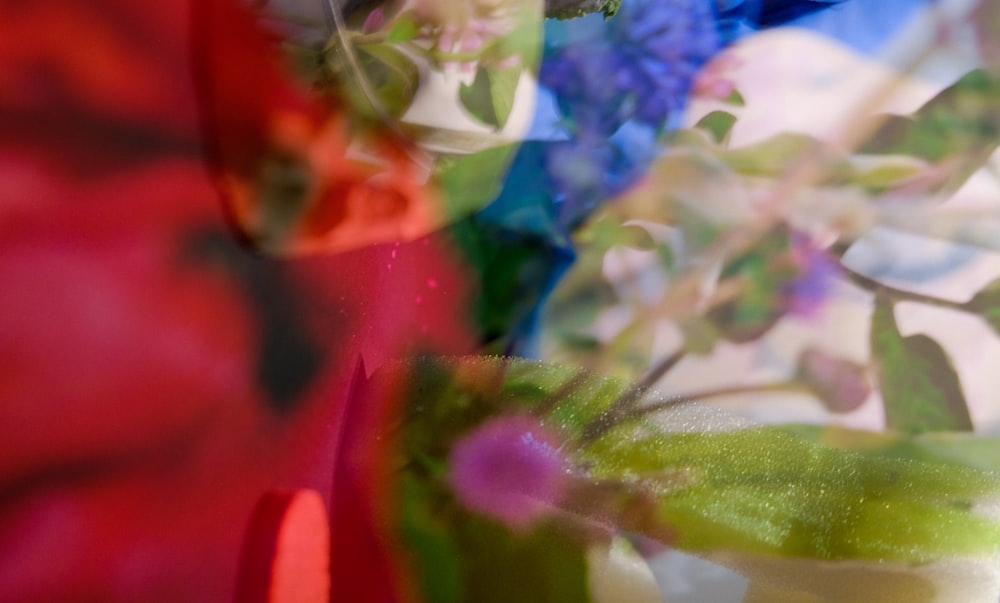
{"points": [[432, 283], [419, 300]]}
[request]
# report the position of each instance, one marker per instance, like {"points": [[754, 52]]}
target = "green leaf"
{"points": [[393, 76], [437, 556], [735, 98], [522, 43], [772, 158], [700, 335], [986, 303], [766, 491], [718, 124], [960, 125], [761, 303], [458, 554], [957, 448], [469, 182], [512, 269], [920, 388], [960, 118], [477, 98], [404, 28], [503, 87], [490, 97], [690, 188], [667, 257], [776, 155], [881, 173], [543, 567]]}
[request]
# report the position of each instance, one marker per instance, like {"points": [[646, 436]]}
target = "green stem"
{"points": [[573, 384], [661, 368], [626, 403], [780, 387], [870, 284]]}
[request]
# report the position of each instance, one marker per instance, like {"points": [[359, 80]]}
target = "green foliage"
{"points": [[762, 271], [459, 555], [521, 45], [775, 156], [404, 28], [469, 182], [986, 303], [778, 155], [511, 270], [718, 124], [435, 553], [772, 491], [390, 75], [490, 97], [960, 126], [543, 566], [584, 293], [946, 448], [920, 388], [764, 491]]}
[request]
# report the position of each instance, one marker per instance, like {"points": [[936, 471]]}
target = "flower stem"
{"points": [[779, 387], [870, 284]]}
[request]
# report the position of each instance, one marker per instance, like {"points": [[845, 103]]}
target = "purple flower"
{"points": [[509, 468], [817, 271], [639, 66]]}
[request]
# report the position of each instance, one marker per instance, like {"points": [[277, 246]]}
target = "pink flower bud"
{"points": [[841, 385], [509, 468]]}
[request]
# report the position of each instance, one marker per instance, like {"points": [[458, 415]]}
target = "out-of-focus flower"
{"points": [[640, 66], [157, 377], [613, 85], [841, 385], [609, 88], [817, 271], [714, 81], [295, 177], [470, 28], [509, 468], [586, 174], [374, 21]]}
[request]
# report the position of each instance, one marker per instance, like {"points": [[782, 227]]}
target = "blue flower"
{"points": [[817, 273], [609, 89], [639, 65]]}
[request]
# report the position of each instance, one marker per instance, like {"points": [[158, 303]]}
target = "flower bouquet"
{"points": [[499, 300]]}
